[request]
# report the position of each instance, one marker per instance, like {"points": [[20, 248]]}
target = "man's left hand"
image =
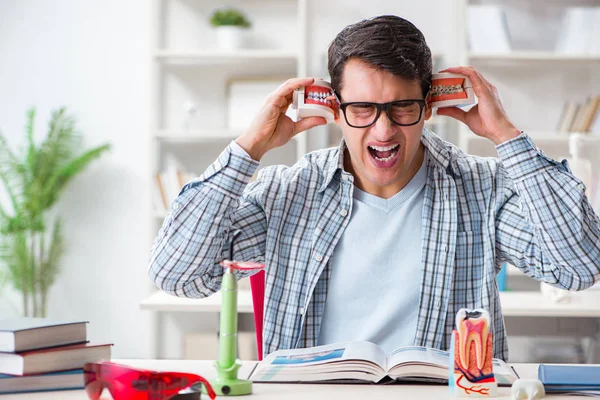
{"points": [[487, 118]]}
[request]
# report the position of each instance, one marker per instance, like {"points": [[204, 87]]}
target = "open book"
{"points": [[363, 361]]}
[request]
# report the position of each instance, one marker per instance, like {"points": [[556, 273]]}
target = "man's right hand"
{"points": [[271, 128]]}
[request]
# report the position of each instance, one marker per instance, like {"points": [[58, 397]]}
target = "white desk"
{"points": [[277, 391]]}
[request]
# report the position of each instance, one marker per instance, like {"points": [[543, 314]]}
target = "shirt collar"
{"points": [[438, 152]]}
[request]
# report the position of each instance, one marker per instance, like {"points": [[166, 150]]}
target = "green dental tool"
{"points": [[227, 382]]}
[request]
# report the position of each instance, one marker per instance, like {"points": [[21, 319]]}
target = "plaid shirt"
{"points": [[523, 208]]}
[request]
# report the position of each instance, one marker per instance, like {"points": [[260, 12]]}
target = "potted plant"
{"points": [[31, 245], [231, 25]]}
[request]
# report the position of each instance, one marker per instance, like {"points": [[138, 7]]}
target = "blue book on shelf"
{"points": [[561, 378], [62, 380]]}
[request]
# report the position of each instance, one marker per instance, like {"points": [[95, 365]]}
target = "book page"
{"points": [[328, 353], [418, 355], [416, 361], [348, 360]]}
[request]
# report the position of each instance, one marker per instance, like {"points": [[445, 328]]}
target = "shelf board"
{"points": [[161, 301], [197, 136], [216, 57], [522, 304], [547, 137], [200, 136], [514, 271], [533, 56], [535, 304]]}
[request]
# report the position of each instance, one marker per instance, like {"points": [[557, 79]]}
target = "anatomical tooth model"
{"points": [[471, 351], [316, 100], [449, 90]]}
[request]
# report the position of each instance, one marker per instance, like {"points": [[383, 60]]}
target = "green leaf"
{"points": [[51, 265], [57, 182], [57, 149], [12, 175], [31, 150], [15, 256], [229, 17]]}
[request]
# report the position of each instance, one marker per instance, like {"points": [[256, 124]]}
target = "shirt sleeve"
{"points": [[214, 217], [238, 150], [545, 225]]}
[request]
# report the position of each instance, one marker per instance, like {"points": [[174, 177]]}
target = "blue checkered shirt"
{"points": [[523, 208]]}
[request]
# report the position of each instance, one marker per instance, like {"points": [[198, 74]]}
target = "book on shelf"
{"points": [[21, 334], [62, 380], [580, 117], [53, 359], [168, 183], [363, 362]]}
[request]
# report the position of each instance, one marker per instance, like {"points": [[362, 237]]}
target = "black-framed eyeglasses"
{"points": [[362, 114]]}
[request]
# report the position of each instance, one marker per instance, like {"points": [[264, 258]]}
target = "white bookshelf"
{"points": [[188, 67], [534, 80]]}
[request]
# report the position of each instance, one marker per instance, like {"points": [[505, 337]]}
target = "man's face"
{"points": [[383, 157]]}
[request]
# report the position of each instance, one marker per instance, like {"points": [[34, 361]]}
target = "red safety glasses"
{"points": [[127, 383]]}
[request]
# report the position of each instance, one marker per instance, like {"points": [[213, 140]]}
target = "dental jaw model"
{"points": [[450, 90], [316, 100], [471, 351]]}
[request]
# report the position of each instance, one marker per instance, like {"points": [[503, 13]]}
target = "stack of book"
{"points": [[39, 354]]}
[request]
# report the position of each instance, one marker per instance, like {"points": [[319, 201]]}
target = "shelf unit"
{"points": [[531, 66], [187, 66]]}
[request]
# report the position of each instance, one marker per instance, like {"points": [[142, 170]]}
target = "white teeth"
{"points": [[385, 159], [386, 148]]}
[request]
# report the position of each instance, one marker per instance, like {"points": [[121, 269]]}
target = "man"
{"points": [[387, 236]]}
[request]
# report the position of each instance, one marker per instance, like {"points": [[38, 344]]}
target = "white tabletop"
{"points": [[278, 391]]}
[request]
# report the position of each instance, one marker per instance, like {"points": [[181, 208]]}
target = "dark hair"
{"points": [[387, 42]]}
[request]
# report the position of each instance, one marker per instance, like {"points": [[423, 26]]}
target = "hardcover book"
{"points": [[22, 334], [53, 359], [363, 362]]}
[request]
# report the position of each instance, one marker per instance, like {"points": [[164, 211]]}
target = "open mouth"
{"points": [[384, 153]]}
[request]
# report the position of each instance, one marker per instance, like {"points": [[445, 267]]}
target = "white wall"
{"points": [[93, 57]]}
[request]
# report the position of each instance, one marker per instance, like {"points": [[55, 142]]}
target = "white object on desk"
{"points": [[527, 389]]}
